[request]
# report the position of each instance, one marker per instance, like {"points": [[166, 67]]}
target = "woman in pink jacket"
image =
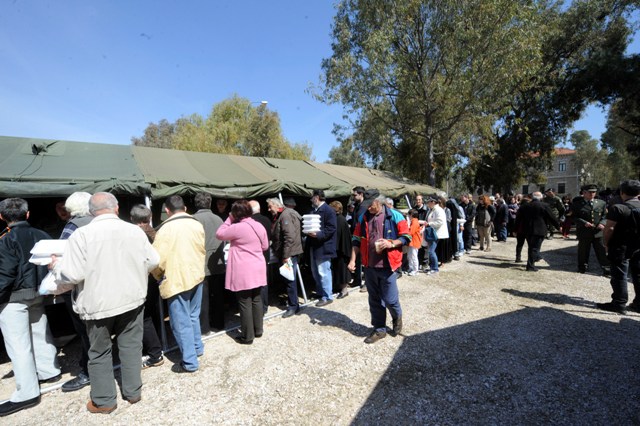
{"points": [[246, 268]]}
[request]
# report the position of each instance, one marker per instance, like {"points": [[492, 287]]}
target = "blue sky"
{"points": [[100, 71]]}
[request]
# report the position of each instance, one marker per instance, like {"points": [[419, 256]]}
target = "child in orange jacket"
{"points": [[415, 230]]}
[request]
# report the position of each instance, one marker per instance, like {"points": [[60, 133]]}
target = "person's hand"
{"points": [[600, 227], [351, 266], [588, 225], [312, 234], [285, 261], [54, 260]]}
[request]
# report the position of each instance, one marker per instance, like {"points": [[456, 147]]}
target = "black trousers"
{"points": [[151, 344], [216, 301], [251, 312], [585, 241], [81, 330], [534, 243], [520, 239]]}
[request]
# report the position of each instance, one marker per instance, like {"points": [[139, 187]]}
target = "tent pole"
{"points": [[408, 201]]}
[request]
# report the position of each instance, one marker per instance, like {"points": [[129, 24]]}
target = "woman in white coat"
{"points": [[437, 219]]}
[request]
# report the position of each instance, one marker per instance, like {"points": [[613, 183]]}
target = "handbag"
{"points": [[430, 234]]}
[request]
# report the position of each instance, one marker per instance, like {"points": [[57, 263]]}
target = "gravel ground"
{"points": [[484, 342]]}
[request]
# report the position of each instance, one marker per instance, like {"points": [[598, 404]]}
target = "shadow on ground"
{"points": [[533, 366]]}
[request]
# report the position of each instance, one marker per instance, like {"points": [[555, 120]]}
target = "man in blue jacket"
{"points": [[322, 247], [22, 319]]}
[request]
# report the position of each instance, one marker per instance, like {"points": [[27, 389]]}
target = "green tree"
{"points": [[158, 135], [414, 76], [623, 144], [234, 126], [578, 44], [346, 154], [591, 161]]}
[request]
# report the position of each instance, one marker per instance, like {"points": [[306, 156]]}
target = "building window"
{"points": [[562, 166], [525, 189], [561, 188]]}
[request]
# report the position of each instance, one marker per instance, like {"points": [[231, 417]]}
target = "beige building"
{"points": [[563, 176]]}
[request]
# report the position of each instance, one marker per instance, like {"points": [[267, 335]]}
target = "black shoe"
{"points": [[242, 340], [77, 383], [13, 407], [375, 336], [288, 313], [153, 362], [50, 379], [518, 260], [634, 307], [324, 302], [606, 273], [612, 307], [397, 326], [179, 368], [363, 289], [532, 269], [344, 293]]}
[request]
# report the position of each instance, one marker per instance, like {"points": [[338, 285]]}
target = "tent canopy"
{"points": [[44, 168]]}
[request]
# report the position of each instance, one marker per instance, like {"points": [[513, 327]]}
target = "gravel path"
{"points": [[484, 342]]}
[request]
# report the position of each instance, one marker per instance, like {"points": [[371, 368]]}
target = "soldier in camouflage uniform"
{"points": [[589, 215], [556, 206]]}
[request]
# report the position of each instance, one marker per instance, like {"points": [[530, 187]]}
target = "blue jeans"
{"points": [[29, 345], [383, 295], [184, 311], [321, 270], [433, 257], [460, 242]]}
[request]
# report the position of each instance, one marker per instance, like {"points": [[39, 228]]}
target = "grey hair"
{"points": [[77, 204], [382, 199], [255, 206], [102, 201], [537, 195], [275, 201], [388, 201]]}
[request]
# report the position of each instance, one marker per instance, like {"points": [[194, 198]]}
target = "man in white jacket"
{"points": [[109, 261]]}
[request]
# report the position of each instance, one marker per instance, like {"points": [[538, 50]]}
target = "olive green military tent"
{"points": [[47, 168]]}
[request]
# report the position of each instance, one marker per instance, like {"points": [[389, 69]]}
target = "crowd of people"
{"points": [[123, 273]]}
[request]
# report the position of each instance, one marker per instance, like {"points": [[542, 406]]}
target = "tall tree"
{"points": [[415, 75], [346, 154], [591, 160], [578, 44], [234, 126]]}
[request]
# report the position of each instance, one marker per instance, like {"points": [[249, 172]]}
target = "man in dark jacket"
{"points": [[22, 319], [212, 308], [535, 217], [469, 213], [322, 247], [287, 245], [622, 241], [266, 224]]}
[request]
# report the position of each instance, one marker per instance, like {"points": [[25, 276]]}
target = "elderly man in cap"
{"points": [[589, 214], [379, 236]]}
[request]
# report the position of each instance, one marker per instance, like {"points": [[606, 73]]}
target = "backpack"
{"points": [[632, 234]]}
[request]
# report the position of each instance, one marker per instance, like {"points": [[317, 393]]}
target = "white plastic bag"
{"points": [[49, 286], [286, 270]]}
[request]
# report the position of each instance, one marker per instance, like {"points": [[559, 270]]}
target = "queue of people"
{"points": [[119, 271]]}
